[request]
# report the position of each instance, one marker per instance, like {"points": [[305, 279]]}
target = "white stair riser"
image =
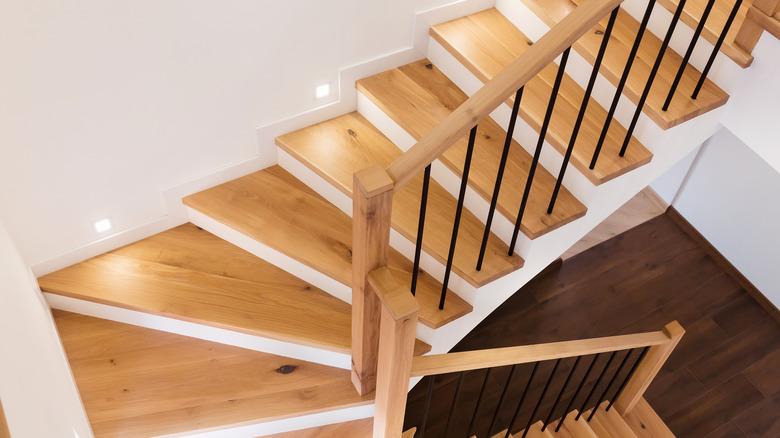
{"points": [[200, 331]]}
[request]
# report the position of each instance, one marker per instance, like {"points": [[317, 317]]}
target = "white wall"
{"points": [[39, 397], [106, 103], [731, 197], [753, 112]]}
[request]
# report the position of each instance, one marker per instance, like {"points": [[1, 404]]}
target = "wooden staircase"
{"points": [[264, 273]]}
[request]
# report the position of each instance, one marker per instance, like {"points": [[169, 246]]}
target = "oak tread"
{"points": [[337, 148], [274, 208], [645, 423], [4, 433], [486, 42], [610, 424], [418, 97], [712, 28], [189, 274], [624, 32], [140, 382]]}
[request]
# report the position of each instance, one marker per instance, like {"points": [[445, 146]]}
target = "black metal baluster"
{"points": [[541, 398], [716, 49], [479, 403], [609, 385], [501, 400], [688, 54], [578, 391], [454, 404], [499, 176], [598, 382], [421, 226], [428, 397], [539, 144], [653, 74], [522, 399], [583, 107], [622, 83], [560, 394], [628, 377], [461, 196]]}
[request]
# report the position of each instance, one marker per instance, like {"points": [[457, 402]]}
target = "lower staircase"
{"points": [[261, 315]]}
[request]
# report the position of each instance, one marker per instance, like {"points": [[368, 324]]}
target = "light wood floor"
{"points": [[638, 210], [137, 382], [3, 426]]}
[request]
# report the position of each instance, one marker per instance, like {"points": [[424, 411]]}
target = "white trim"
{"points": [[200, 331], [286, 425]]}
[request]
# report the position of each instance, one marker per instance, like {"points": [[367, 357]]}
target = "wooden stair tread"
{"points": [[418, 97], [714, 26], [274, 208], [486, 42], [626, 27], [576, 428], [140, 382], [337, 148], [189, 274], [646, 423], [610, 424]]}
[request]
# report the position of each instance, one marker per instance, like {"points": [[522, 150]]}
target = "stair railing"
{"points": [[762, 15], [374, 187], [640, 357]]}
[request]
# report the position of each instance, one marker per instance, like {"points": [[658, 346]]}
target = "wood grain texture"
{"points": [[274, 208], [418, 96], [649, 368], [610, 424], [578, 428], [372, 207], [4, 433], [634, 282], [518, 73], [137, 382], [714, 25], [732, 271], [624, 33], [486, 43], [339, 147], [641, 208], [398, 323], [473, 360], [189, 274], [646, 423]]}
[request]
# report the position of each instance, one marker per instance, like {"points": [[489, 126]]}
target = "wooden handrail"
{"points": [[499, 89], [496, 357]]}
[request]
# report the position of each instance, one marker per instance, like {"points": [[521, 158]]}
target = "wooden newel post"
{"points": [[647, 370], [396, 349], [372, 206]]}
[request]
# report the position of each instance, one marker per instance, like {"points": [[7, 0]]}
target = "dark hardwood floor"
{"points": [[723, 380]]}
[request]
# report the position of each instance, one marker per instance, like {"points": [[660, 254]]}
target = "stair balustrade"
{"points": [[374, 187]]}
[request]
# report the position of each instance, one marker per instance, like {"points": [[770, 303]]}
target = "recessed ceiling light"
{"points": [[102, 225], [322, 91]]}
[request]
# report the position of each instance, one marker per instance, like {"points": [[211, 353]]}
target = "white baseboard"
{"points": [[200, 331], [250, 430]]}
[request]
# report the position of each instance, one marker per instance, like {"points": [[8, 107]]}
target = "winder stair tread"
{"points": [[274, 208], [487, 42], [136, 381], [418, 97], [610, 424], [337, 148], [624, 32], [349, 429], [189, 274], [714, 26]]}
